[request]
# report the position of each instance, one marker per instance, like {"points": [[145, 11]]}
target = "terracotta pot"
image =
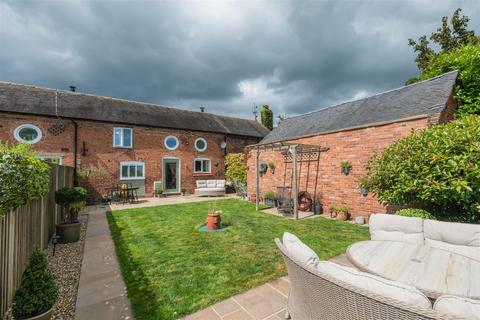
{"points": [[213, 221], [342, 216], [44, 316]]}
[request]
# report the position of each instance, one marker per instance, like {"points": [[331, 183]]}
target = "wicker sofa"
{"points": [[210, 188], [317, 295]]}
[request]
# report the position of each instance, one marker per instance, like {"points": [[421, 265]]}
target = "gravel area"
{"points": [[67, 264]]}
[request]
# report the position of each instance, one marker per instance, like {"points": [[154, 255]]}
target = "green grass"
{"points": [[171, 269]]}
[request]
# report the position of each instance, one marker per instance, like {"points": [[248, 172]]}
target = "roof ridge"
{"points": [[374, 95], [120, 99]]}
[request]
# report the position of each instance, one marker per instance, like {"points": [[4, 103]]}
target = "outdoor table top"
{"points": [[433, 271]]}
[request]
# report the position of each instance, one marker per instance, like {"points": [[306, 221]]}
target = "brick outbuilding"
{"points": [[352, 132], [112, 141]]}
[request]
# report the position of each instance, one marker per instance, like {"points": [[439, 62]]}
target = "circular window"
{"points": [[27, 133], [171, 142], [201, 144]]}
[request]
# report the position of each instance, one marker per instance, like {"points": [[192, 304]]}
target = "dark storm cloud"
{"points": [[296, 56]]}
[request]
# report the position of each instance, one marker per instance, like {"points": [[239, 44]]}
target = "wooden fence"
{"points": [[30, 226]]}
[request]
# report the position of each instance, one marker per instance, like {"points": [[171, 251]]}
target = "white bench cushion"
{"points": [[388, 227], [299, 250], [220, 183], [387, 288], [458, 307], [211, 183], [201, 183]]}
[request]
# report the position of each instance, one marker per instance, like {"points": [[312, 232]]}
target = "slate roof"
{"points": [[418, 99], [28, 99]]}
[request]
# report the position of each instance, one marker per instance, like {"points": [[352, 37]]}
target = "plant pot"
{"points": [[364, 191], [213, 221], [346, 171], [253, 198], [317, 209], [44, 316], [68, 232], [343, 216]]}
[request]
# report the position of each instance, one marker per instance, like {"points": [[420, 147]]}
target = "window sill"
{"points": [[198, 174], [120, 147]]}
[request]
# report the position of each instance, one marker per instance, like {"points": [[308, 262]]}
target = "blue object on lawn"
{"points": [[205, 229]]}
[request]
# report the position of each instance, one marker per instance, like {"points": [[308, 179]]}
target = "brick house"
{"points": [[112, 141], [353, 132]]}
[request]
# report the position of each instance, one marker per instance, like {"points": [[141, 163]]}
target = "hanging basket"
{"points": [[304, 201]]}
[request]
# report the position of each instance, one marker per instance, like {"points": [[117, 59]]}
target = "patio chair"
{"points": [[316, 295]]}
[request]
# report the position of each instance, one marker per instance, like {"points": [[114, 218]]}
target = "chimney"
{"points": [[202, 109], [73, 88]]}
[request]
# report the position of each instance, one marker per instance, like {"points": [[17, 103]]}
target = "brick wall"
{"points": [[148, 147], [355, 146]]}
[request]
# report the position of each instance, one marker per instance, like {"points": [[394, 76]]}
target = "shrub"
{"points": [[236, 167], [38, 291], [269, 195], [438, 168], [23, 177], [340, 208], [419, 213], [71, 199]]}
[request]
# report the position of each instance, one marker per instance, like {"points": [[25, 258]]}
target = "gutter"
{"points": [[75, 153]]}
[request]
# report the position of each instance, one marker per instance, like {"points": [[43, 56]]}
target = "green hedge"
{"points": [[22, 176], [236, 167], [419, 213], [437, 168]]}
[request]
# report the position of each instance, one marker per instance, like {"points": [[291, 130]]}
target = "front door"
{"points": [[171, 175]]}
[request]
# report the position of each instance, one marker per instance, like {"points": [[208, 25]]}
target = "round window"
{"points": [[201, 144], [27, 133], [171, 142]]}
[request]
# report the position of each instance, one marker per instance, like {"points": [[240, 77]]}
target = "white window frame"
{"points": [[132, 163], [50, 157], [165, 143], [121, 145], [202, 159], [16, 133], [204, 141]]}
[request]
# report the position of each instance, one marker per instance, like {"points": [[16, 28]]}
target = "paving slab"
{"points": [[102, 291]]}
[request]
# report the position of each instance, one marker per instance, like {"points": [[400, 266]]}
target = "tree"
{"points": [[437, 168], [236, 164], [267, 117], [448, 36]]}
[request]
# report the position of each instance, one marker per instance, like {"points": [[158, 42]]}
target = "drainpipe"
{"points": [[75, 142]]}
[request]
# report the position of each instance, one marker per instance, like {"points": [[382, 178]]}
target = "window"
{"points": [[27, 133], [201, 144], [132, 170], [122, 137], [51, 159], [171, 142], [201, 166]]}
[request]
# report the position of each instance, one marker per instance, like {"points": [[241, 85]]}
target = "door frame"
{"points": [[179, 173]]}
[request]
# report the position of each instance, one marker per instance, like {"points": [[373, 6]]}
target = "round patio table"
{"points": [[433, 271]]}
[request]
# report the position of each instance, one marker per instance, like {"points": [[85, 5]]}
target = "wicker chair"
{"points": [[315, 295]]}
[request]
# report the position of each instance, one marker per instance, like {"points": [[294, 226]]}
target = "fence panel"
{"points": [[29, 226]]}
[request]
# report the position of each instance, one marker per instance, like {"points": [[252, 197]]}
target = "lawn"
{"points": [[171, 269]]}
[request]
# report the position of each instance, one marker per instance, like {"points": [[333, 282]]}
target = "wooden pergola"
{"points": [[294, 149]]}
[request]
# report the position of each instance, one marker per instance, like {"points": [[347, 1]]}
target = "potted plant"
{"points": [[35, 297], [71, 200], [214, 218], [262, 169], [341, 212], [183, 191], [158, 192], [270, 199], [271, 166], [317, 206], [346, 167], [363, 186]]}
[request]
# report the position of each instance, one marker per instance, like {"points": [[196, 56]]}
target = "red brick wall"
{"points": [[355, 146], [148, 147]]}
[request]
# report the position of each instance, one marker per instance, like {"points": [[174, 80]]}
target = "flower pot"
{"points": [[68, 232], [317, 209], [44, 316], [343, 216], [346, 171], [213, 221], [253, 198], [364, 191]]}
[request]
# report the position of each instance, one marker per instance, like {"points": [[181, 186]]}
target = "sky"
{"points": [[226, 56]]}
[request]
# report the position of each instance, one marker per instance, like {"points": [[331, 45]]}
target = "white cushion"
{"points": [[201, 183], [299, 250], [220, 183], [211, 183], [458, 307], [210, 189], [388, 227], [375, 284]]}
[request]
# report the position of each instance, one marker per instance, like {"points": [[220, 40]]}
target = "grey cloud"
{"points": [[296, 56]]}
